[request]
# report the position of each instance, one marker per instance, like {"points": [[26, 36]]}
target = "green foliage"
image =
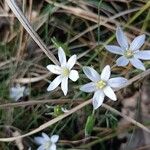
{"points": [[89, 125]]}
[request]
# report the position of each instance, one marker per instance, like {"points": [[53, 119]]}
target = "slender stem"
{"points": [[25, 23]]}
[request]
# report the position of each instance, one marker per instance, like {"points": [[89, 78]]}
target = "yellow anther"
{"points": [[128, 54], [101, 84], [47, 145], [65, 72]]}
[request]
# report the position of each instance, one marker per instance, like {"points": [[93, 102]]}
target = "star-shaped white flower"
{"points": [[101, 85], [46, 142], [63, 71], [18, 91], [130, 52]]}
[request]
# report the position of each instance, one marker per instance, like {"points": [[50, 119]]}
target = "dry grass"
{"points": [[82, 27]]}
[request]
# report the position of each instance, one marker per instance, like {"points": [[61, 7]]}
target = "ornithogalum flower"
{"points": [[18, 91], [130, 52], [101, 85], [63, 71], [46, 142]]}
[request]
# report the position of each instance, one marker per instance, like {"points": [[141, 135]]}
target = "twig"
{"points": [[32, 79], [39, 102], [126, 117], [25, 23], [51, 122]]}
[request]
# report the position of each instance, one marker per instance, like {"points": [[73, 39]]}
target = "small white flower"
{"points": [[46, 142], [130, 52], [101, 85], [63, 71], [18, 91], [64, 110]]}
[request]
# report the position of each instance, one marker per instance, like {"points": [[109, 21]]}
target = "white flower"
{"points": [[63, 71], [101, 85], [64, 110], [18, 91], [130, 52], [46, 142]]}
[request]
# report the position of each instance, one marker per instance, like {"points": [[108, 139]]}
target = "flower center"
{"points": [[128, 54], [47, 145], [101, 84], [65, 72]]}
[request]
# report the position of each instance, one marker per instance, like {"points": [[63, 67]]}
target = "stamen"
{"points": [[65, 72], [47, 145], [101, 84], [128, 54]]}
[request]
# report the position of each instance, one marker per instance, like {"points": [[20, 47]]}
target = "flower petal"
{"points": [[42, 147], [74, 76], [53, 147], [46, 137], [54, 69], [145, 55], [65, 110], [98, 99], [137, 63], [110, 93], [39, 140], [64, 85], [61, 56], [117, 82], [54, 138], [17, 92], [54, 83], [137, 42], [91, 74], [121, 38], [105, 75], [89, 87], [114, 49], [122, 61], [71, 62]]}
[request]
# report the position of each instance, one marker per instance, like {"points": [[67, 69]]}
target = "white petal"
{"points": [[98, 99], [91, 74], [61, 56], [42, 147], [17, 92], [64, 85], [122, 61], [121, 38], [110, 93], [39, 140], [54, 138], [145, 55], [65, 110], [46, 137], [137, 63], [71, 62], [114, 49], [117, 82], [74, 76], [137, 42], [53, 147], [89, 87], [54, 69], [54, 83], [105, 75]]}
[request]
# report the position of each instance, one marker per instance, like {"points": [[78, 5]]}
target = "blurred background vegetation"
{"points": [[81, 27]]}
